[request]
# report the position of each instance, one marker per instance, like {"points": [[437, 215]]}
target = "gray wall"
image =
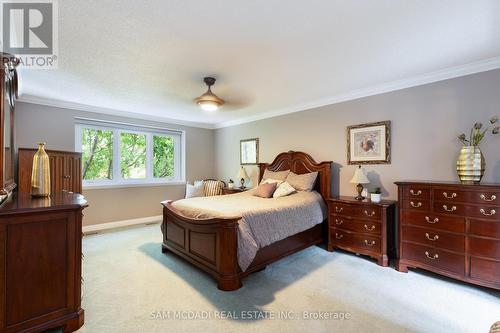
{"points": [[56, 127], [425, 123]]}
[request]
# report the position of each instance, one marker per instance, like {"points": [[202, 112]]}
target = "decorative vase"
{"points": [[470, 165], [230, 185], [40, 173]]}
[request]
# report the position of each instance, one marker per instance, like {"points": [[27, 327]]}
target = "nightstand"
{"points": [[233, 190], [362, 227]]}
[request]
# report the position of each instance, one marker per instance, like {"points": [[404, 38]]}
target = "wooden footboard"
{"points": [[212, 245]]}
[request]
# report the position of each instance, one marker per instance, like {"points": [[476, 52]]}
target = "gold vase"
{"points": [[470, 165], [40, 174]]}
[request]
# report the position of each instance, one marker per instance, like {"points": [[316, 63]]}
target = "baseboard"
{"points": [[95, 228]]}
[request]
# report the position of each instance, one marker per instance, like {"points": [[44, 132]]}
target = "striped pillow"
{"points": [[212, 187]]}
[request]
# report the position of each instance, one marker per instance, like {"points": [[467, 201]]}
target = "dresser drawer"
{"points": [[434, 222], [417, 192], [356, 225], [485, 228], [441, 259], [355, 242], [416, 204], [367, 212], [485, 269], [340, 208], [484, 247], [439, 239], [458, 209], [479, 197]]}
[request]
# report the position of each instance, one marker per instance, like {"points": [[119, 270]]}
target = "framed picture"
{"points": [[369, 143], [249, 151]]}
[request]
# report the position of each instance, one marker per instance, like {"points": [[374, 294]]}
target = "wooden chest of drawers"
{"points": [[451, 229], [362, 227]]}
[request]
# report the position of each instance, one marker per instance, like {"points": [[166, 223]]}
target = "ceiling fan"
{"points": [[209, 101]]}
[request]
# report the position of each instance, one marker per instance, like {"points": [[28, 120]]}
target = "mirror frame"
{"points": [[9, 85]]}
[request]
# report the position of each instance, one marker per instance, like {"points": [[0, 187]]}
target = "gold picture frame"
{"points": [[249, 151], [369, 143]]}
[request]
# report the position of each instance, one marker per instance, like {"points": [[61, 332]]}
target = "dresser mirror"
{"points": [[9, 92]]}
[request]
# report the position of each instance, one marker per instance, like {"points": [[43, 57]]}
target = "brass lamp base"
{"points": [[359, 188], [242, 181]]}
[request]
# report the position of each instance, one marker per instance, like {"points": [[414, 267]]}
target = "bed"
{"points": [[209, 236]]}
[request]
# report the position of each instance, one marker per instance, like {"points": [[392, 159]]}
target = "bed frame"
{"points": [[211, 244]]}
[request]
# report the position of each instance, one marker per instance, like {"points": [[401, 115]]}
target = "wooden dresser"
{"points": [[362, 227], [40, 263], [451, 229], [65, 170]]}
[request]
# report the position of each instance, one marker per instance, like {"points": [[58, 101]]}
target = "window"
{"points": [[133, 155], [123, 154]]}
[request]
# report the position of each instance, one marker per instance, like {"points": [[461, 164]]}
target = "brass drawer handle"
{"points": [[372, 243], [452, 196], [492, 198], [435, 238], [452, 209], [338, 222], [339, 236], [339, 210], [434, 257], [370, 214], [415, 205], [412, 192], [436, 220], [491, 213], [371, 228]]}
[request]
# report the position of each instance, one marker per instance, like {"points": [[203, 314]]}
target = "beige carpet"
{"points": [[130, 286]]}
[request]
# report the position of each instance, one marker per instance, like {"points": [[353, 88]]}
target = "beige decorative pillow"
{"points": [[303, 182], [283, 190], [265, 190], [278, 175]]}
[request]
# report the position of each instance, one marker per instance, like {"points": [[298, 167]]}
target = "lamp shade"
{"points": [[359, 177], [242, 174]]}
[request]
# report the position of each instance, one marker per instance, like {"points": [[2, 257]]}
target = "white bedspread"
{"points": [[263, 221]]}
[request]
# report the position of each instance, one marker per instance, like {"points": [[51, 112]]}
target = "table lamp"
{"points": [[242, 175], [359, 178]]}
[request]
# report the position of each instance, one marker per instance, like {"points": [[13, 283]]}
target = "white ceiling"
{"points": [[269, 56]]}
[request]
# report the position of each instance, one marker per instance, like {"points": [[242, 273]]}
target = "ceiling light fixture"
{"points": [[209, 101]]}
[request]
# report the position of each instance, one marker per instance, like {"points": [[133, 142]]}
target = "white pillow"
{"points": [[283, 190], [196, 190], [270, 181]]}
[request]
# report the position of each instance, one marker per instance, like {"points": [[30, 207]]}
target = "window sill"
{"points": [[125, 185]]}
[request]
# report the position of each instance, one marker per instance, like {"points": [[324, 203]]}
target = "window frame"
{"points": [[117, 129]]}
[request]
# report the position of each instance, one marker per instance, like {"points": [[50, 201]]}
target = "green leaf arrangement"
{"points": [[477, 134]]}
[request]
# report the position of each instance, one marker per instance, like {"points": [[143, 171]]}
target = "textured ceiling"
{"points": [[269, 56]]}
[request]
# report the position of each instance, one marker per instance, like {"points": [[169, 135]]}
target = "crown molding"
{"points": [[440, 75], [95, 109]]}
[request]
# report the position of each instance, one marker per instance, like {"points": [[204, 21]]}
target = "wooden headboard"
{"points": [[299, 163]]}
